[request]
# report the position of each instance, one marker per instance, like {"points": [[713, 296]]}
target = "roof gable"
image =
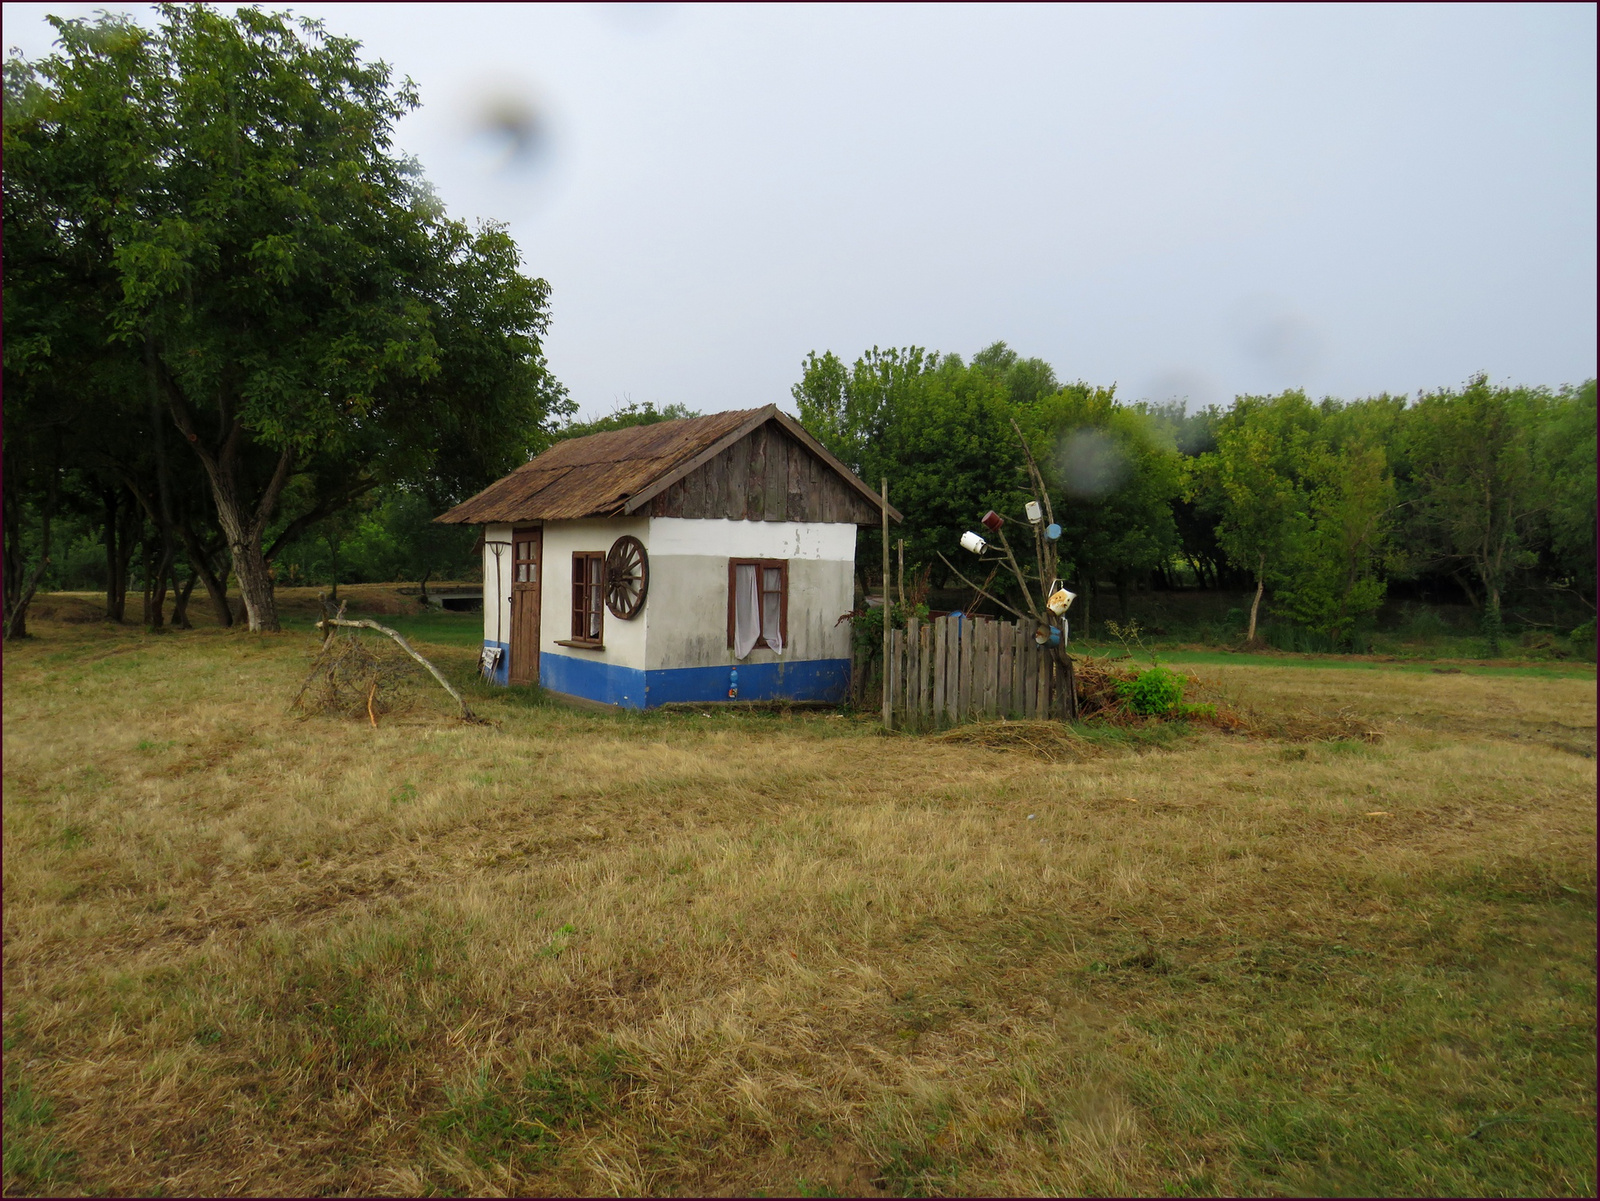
{"points": [[623, 471]]}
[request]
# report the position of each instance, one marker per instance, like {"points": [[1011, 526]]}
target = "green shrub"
{"points": [[1154, 693]]}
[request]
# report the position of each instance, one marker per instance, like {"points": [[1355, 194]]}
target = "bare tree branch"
{"points": [[981, 592]]}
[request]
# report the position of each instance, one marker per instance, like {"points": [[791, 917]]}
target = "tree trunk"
{"points": [[1492, 625], [180, 603], [200, 565], [255, 587], [1255, 605], [242, 529], [116, 569], [158, 585], [1069, 702], [144, 545], [244, 543], [130, 529], [18, 599]]}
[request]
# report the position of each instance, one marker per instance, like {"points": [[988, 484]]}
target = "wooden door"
{"points": [[527, 563]]}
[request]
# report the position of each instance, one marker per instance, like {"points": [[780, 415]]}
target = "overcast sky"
{"points": [[1189, 200]]}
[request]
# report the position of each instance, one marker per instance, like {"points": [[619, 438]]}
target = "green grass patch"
{"points": [[34, 1160], [520, 1122], [1553, 671]]}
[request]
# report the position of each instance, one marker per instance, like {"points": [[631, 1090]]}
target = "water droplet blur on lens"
{"points": [[498, 149], [509, 134], [1272, 334], [1090, 464]]}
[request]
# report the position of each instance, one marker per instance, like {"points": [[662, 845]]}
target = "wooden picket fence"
{"points": [[957, 669]]}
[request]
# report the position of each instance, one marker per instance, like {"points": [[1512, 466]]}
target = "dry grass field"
{"points": [[746, 953]]}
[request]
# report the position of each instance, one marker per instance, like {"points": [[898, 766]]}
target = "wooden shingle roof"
{"points": [[620, 471]]}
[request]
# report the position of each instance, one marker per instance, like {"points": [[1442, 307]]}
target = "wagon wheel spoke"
{"points": [[627, 576]]}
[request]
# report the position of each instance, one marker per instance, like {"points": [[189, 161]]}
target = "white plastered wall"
{"points": [[624, 640], [497, 616], [687, 609]]}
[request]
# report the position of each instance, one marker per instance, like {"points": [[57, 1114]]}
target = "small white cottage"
{"points": [[701, 560]]}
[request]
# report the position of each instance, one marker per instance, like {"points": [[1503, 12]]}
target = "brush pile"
{"points": [[1098, 680], [356, 678], [1054, 741]]}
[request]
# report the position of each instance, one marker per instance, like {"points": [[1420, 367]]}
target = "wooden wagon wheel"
{"points": [[627, 577]]}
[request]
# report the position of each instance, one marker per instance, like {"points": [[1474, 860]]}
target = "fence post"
{"points": [[888, 612]]}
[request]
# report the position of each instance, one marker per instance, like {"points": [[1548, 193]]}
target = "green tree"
{"points": [[936, 428], [1564, 455], [1253, 482], [298, 300], [1336, 576], [1477, 492], [624, 416], [1025, 380]]}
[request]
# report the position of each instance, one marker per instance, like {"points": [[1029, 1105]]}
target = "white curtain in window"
{"points": [[772, 608], [746, 609], [596, 595]]}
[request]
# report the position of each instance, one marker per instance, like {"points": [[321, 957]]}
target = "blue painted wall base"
{"points": [[825, 680]]}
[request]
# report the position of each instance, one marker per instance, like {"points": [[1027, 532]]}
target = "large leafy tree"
{"points": [[1477, 492], [1254, 481], [298, 302], [934, 427], [1564, 455], [1337, 575]]}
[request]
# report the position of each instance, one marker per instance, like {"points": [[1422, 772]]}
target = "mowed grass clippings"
{"points": [[576, 953]]}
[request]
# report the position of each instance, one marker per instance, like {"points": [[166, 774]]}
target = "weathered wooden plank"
{"points": [[775, 504], [952, 670], [1002, 688], [1024, 655], [1032, 682], [981, 662], [756, 476], [794, 507], [716, 473], [738, 479], [922, 669], [909, 683], [694, 493], [968, 638], [940, 652], [1019, 667], [912, 682], [891, 671], [1002, 644], [731, 503], [991, 681]]}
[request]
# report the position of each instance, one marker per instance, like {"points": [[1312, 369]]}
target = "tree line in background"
{"points": [[245, 345], [1482, 492]]}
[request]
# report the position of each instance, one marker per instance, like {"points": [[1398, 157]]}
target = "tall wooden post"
{"points": [[900, 569], [888, 696]]}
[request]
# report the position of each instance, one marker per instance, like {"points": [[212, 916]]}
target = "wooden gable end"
{"points": [[765, 476]]}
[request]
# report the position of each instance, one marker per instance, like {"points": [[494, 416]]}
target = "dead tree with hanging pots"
{"points": [[1037, 602]]}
